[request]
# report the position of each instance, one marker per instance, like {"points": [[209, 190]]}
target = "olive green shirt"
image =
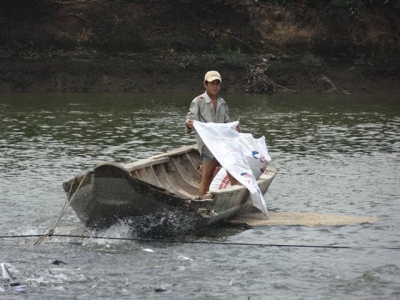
{"points": [[201, 109]]}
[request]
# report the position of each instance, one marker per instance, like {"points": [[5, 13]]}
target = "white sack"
{"points": [[256, 153], [220, 180], [223, 141]]}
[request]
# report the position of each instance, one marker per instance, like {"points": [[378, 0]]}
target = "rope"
{"points": [[64, 209], [202, 242]]}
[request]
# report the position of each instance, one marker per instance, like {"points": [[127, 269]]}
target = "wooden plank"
{"points": [[182, 178], [152, 179], [145, 163]]}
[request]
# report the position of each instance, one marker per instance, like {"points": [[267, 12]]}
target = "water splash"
{"points": [[336, 272]]}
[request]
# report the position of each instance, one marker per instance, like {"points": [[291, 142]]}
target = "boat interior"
{"points": [[178, 173]]}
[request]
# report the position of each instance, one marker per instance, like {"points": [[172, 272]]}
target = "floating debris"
{"points": [[257, 80]]}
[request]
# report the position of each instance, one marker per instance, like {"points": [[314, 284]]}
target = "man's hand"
{"points": [[238, 128], [189, 124]]}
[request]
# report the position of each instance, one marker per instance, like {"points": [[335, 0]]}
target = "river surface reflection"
{"points": [[334, 154]]}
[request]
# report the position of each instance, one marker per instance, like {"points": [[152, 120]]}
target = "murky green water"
{"points": [[334, 154]]}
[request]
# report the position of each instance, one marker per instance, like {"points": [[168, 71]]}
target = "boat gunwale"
{"points": [[162, 159], [265, 177], [143, 163]]}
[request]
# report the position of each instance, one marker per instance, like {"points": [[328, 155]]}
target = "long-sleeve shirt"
{"points": [[202, 110]]}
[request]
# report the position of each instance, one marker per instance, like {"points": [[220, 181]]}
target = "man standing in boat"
{"points": [[208, 107]]}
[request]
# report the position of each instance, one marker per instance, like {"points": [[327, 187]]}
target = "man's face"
{"points": [[212, 87]]}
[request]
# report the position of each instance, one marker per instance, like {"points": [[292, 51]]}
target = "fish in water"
{"points": [[7, 277], [147, 250], [5, 274], [58, 262]]}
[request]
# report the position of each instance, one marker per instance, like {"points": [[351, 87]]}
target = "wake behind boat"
{"points": [[160, 186]]}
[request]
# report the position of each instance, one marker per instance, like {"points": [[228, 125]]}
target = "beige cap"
{"points": [[211, 76]]}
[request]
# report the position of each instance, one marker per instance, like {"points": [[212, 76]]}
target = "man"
{"points": [[206, 108]]}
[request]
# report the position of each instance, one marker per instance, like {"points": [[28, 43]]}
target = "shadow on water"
{"points": [[159, 225], [170, 225]]}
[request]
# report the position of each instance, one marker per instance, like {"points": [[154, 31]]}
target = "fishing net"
{"points": [[300, 219]]}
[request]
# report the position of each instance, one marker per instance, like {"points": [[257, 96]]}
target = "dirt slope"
{"points": [[136, 46]]}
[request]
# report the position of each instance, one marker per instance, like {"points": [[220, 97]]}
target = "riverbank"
{"points": [[161, 74], [160, 46]]}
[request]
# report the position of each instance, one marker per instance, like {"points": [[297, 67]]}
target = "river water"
{"points": [[334, 155]]}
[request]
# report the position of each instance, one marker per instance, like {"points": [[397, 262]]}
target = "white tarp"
{"points": [[256, 153], [223, 141]]}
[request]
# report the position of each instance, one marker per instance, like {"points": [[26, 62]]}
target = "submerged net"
{"points": [[300, 219]]}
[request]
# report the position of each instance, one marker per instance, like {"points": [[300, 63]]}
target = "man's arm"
{"points": [[226, 117], [193, 114]]}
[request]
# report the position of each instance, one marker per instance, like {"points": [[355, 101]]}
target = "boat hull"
{"points": [[112, 192]]}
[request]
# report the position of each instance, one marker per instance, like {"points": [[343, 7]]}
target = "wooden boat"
{"points": [[164, 186]]}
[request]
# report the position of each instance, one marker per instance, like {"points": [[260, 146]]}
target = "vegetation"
{"points": [[352, 5]]}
